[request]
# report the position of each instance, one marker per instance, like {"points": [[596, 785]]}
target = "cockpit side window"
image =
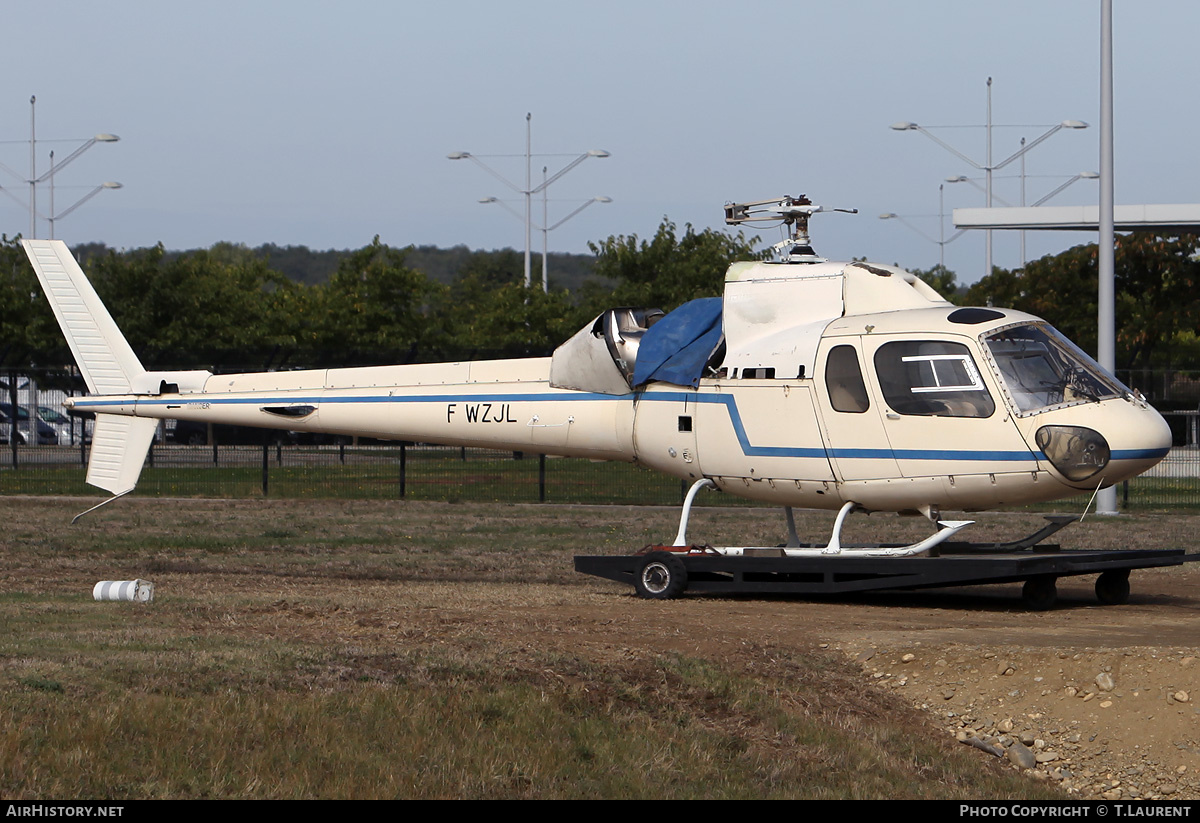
{"points": [[844, 381], [932, 378]]}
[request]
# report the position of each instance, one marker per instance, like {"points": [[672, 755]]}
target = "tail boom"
{"points": [[499, 404]]}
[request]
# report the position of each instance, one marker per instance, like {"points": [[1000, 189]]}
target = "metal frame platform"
{"points": [[1040, 567]]}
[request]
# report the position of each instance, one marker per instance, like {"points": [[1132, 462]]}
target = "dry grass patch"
{"points": [[335, 649]]}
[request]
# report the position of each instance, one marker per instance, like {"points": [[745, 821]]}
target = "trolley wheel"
{"points": [[1112, 587], [1040, 593], [660, 576]]}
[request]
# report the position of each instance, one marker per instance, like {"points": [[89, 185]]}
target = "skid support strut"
{"points": [[793, 539], [681, 535]]}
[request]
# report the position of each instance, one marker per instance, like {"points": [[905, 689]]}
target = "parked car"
{"points": [[323, 439], [191, 433], [46, 434], [70, 429]]}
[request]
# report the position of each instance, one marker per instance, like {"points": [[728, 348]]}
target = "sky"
{"points": [[327, 123]]}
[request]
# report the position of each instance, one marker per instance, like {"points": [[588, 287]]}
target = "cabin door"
{"points": [[858, 444], [939, 409]]}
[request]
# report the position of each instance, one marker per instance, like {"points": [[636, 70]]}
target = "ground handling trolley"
{"points": [[664, 572]]}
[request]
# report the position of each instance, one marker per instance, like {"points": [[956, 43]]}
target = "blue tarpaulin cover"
{"points": [[676, 348]]}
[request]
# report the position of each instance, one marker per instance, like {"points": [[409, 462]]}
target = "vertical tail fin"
{"points": [[108, 364], [119, 446]]}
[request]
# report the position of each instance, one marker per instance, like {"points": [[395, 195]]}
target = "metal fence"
{"points": [[448, 474], [349, 471], [1166, 388], [29, 466]]}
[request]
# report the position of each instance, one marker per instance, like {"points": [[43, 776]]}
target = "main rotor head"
{"points": [[792, 212]]}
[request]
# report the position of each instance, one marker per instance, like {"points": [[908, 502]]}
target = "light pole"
{"points": [[1083, 175], [941, 241], [1106, 297], [32, 166], [545, 229], [974, 182], [528, 191], [1088, 175], [53, 217], [988, 166], [33, 180]]}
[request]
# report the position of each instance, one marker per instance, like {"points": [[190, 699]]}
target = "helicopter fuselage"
{"points": [[831, 383]]}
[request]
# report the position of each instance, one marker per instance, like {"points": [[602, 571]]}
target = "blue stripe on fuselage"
{"points": [[726, 400]]}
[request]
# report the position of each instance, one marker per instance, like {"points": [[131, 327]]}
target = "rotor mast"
{"points": [[794, 213]]}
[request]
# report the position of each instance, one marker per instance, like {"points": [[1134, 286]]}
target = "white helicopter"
{"points": [[810, 384]]}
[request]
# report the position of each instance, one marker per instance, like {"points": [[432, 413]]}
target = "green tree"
{"points": [[374, 306], [28, 330], [490, 270], [510, 320], [1157, 281], [190, 309], [488, 311], [669, 269], [1158, 303], [943, 281], [1060, 288]]}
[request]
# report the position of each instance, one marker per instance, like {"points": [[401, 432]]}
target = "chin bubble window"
{"points": [[932, 378], [1077, 453]]}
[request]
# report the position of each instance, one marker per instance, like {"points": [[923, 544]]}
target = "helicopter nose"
{"points": [[1122, 443], [1139, 446]]}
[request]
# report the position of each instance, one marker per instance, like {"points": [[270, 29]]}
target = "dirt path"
{"points": [[983, 666]]}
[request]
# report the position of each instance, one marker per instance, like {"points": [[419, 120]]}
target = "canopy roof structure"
{"points": [[1168, 217]]}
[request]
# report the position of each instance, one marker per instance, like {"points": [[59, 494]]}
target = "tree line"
{"points": [[1157, 282], [231, 308], [313, 266]]}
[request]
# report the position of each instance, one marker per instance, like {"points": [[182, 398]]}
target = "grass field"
{"points": [[367, 649]]}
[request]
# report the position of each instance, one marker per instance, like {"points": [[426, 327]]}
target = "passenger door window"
{"points": [[933, 379], [844, 381]]}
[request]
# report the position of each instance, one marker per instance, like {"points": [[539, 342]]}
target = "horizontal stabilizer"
{"points": [[108, 364], [119, 446]]}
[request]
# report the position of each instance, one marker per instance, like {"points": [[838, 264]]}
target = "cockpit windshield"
{"points": [[1044, 370]]}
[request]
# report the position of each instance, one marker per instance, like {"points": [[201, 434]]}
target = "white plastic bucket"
{"points": [[141, 591]]}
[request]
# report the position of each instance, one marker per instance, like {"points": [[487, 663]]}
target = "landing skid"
{"points": [[930, 545], [940, 544], [793, 548]]}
